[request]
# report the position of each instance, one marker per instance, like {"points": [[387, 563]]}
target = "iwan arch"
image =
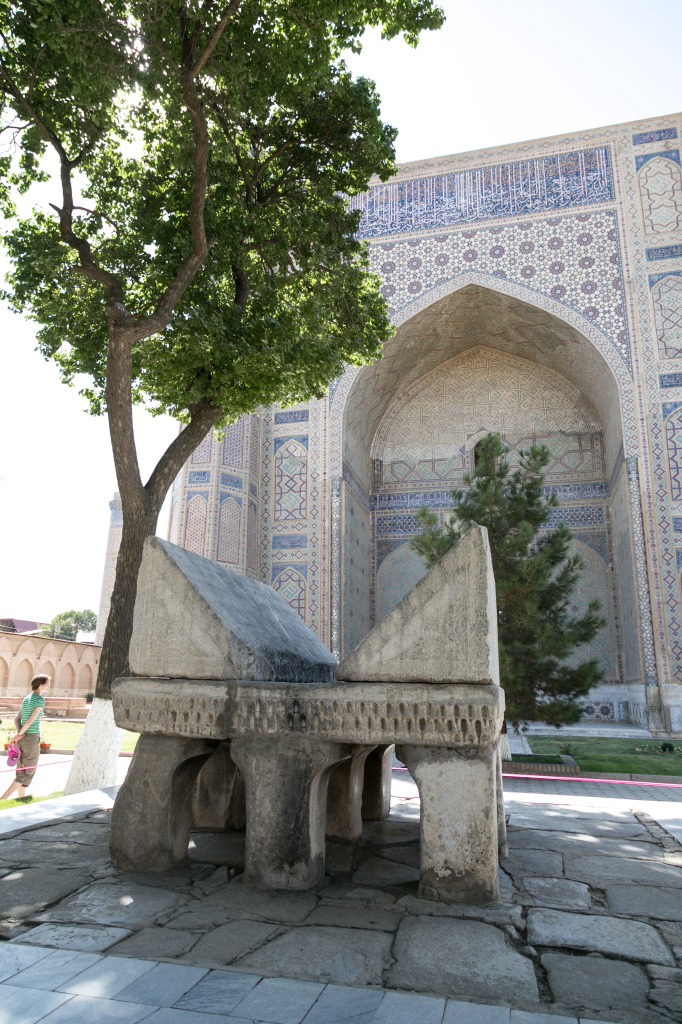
{"points": [[536, 290]]}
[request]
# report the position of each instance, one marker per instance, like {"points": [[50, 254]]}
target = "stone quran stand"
{"points": [[245, 720]]}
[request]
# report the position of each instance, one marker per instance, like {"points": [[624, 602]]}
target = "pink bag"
{"points": [[13, 754]]}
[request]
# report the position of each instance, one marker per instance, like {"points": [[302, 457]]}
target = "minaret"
{"points": [[113, 544]]}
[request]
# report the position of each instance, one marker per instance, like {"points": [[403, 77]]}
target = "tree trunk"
{"points": [[95, 760]]}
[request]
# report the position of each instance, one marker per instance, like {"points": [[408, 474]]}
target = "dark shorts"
{"points": [[30, 752]]}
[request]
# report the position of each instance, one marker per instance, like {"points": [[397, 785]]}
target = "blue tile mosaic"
{"points": [[233, 497], [292, 416], [655, 278], [282, 567], [588, 515], [279, 441], [566, 180], [289, 540], [672, 154], [643, 138], [677, 524], [670, 380], [664, 252], [200, 476], [228, 480]]}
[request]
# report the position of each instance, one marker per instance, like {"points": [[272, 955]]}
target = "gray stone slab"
{"points": [[343, 956], [379, 871], [524, 1017], [14, 959], [162, 985], [27, 853], [218, 992], [444, 630], [64, 936], [390, 831], [230, 941], [458, 958], [30, 890], [127, 906], [568, 819], [340, 1004], [109, 976], [610, 935], [603, 871], [538, 863], [502, 915], [579, 844], [356, 895], [666, 991], [55, 969], [194, 619], [167, 1015], [457, 1012], [558, 893], [85, 1010], [279, 1000], [17, 1009], [595, 983], [407, 1008], [655, 901], [356, 917], [157, 943], [82, 833], [217, 848], [403, 854], [237, 900]]}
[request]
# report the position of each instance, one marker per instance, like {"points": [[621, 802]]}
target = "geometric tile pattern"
{"points": [[666, 295], [660, 185]]}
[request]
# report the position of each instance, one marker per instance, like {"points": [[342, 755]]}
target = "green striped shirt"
{"points": [[28, 706]]}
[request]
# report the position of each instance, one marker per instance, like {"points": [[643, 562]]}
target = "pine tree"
{"points": [[535, 577]]}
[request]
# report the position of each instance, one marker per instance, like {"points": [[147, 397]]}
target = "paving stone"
{"points": [[594, 982], [407, 1008], [580, 844], [55, 969], [645, 901], [85, 1010], [603, 871], [16, 1009], [631, 939], [402, 854], [218, 992], [109, 976], [14, 959], [559, 819], [558, 893], [524, 1017], [339, 1004], [229, 941], [27, 853], [472, 1013], [356, 895], [157, 943], [30, 890], [390, 832], [86, 833], [339, 857], [168, 1015], [279, 1000], [163, 985], [343, 956], [538, 863], [458, 958], [378, 871], [237, 901], [129, 906], [64, 936], [217, 848], [355, 917], [501, 915], [666, 991]]}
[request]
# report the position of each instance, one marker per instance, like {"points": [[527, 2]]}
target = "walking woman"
{"points": [[28, 736]]}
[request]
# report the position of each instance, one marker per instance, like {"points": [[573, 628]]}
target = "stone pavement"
{"points": [[589, 927]]}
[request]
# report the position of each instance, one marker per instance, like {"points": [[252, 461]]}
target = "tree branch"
{"points": [[203, 418], [231, 9]]}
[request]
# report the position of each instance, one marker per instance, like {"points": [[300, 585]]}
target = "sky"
{"points": [[496, 73]]}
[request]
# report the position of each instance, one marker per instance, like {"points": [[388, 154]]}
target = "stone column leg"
{"points": [[502, 845], [344, 797], [458, 831], [376, 795], [286, 803], [218, 800], [152, 815]]}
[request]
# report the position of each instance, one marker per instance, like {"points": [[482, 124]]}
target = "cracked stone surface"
{"points": [[589, 925]]}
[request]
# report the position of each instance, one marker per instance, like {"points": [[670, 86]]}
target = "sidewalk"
{"points": [[589, 926]]}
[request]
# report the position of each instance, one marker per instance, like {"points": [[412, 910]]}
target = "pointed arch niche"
{"points": [[473, 361]]}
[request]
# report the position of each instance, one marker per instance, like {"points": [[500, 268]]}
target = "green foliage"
{"points": [[67, 625], [535, 576]]}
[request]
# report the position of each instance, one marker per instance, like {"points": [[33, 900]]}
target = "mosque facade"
{"points": [[536, 290]]}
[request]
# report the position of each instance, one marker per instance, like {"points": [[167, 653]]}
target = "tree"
{"points": [[199, 255], [67, 625], [535, 578]]}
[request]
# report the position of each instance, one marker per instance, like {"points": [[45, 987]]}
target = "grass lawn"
{"points": [[6, 804], [64, 735], [621, 756]]}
